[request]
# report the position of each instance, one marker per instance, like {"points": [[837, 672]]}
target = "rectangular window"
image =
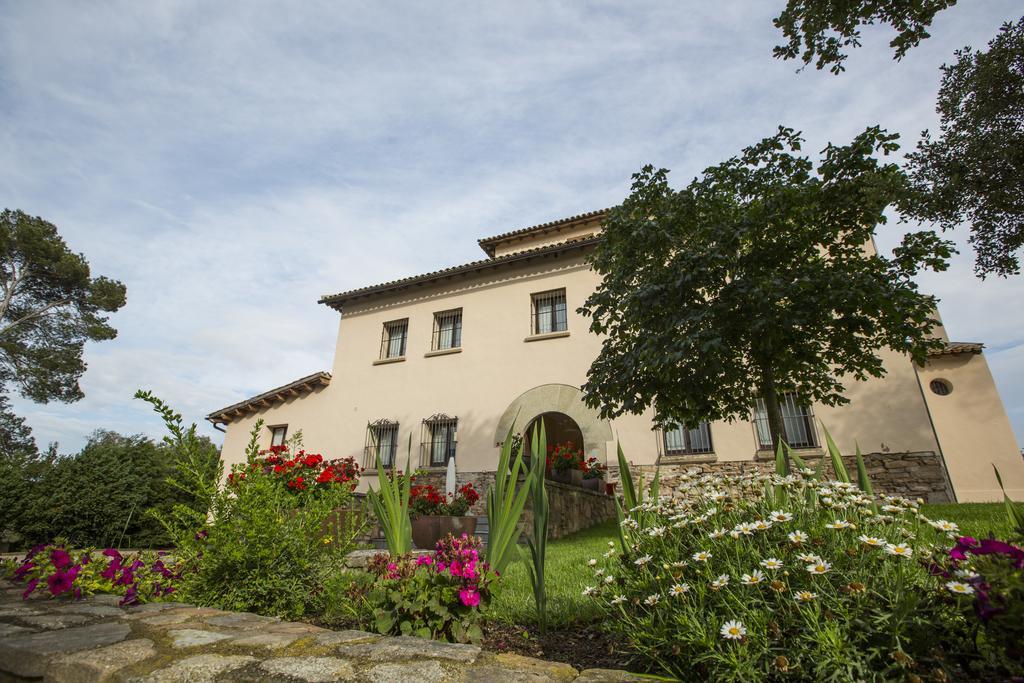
{"points": [[798, 423], [549, 312], [393, 340], [382, 438], [278, 435], [440, 436], [682, 441], [447, 330]]}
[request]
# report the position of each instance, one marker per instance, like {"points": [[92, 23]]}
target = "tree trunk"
{"points": [[776, 426]]}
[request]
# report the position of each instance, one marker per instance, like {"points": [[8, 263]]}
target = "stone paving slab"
{"points": [[93, 641]]}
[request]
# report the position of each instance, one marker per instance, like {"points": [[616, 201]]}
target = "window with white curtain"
{"points": [[549, 312]]}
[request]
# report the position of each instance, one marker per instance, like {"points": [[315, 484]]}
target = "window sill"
{"points": [[803, 452], [442, 352], [386, 361], [688, 458], [549, 335]]}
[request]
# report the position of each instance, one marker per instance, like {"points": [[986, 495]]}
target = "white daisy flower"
{"points": [[819, 567], [804, 596], [678, 589], [611, 544], [618, 598], [652, 600], [966, 573], [717, 533], [599, 572], [753, 578], [702, 556], [589, 590], [943, 525], [872, 541], [762, 525], [609, 579], [641, 561], [807, 557], [745, 528], [656, 531], [733, 630], [610, 553], [899, 550], [592, 562], [771, 563], [798, 537], [959, 588], [721, 582], [781, 516], [841, 524]]}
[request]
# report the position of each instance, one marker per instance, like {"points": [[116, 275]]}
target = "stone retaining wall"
{"points": [[572, 508], [94, 640], [913, 475]]}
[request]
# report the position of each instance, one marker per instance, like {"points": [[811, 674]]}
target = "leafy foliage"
{"points": [[390, 503], [537, 541], [505, 502], [757, 278], [819, 30], [19, 467], [49, 307], [974, 170]]}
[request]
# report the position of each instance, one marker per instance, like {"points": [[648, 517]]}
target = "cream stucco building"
{"points": [[449, 359]]}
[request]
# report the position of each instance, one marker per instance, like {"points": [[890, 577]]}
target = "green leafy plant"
{"points": [[390, 503], [505, 502], [1014, 514], [436, 596], [538, 541], [725, 582]]}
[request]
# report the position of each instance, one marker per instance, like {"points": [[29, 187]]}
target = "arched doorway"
{"points": [[560, 399], [559, 429]]}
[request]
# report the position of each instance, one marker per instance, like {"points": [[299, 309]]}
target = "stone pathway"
{"points": [[94, 640]]}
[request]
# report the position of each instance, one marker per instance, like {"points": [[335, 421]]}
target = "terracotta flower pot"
{"points": [[427, 530]]}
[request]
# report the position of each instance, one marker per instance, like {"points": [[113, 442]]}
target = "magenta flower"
{"points": [[422, 560], [111, 552], [20, 572], [31, 587], [61, 582], [469, 597], [60, 558]]}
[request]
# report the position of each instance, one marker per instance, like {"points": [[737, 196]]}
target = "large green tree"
{"points": [[50, 305], [757, 278], [18, 454], [820, 31], [974, 170]]}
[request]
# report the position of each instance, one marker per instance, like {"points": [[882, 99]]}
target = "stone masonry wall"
{"points": [[913, 475]]}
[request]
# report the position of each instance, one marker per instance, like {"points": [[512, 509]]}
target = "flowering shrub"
{"points": [[564, 456], [760, 577], [992, 573], [433, 596], [54, 571], [426, 500], [301, 472]]}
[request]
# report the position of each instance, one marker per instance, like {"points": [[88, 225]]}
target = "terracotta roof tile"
{"points": [[487, 243], [954, 348], [336, 300], [299, 386]]}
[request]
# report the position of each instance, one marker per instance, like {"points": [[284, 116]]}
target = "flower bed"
{"points": [[761, 577]]}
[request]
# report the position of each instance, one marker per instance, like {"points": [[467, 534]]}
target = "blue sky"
{"points": [[230, 162]]}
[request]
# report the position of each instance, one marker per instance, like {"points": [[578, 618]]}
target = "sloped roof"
{"points": [[488, 243], [299, 387], [954, 348], [335, 301]]}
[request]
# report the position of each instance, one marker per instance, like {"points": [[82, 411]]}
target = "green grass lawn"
{"points": [[567, 576], [974, 519], [568, 573]]}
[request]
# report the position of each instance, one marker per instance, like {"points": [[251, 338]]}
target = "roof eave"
{"points": [[299, 387]]}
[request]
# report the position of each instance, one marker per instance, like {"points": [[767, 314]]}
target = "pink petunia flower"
{"points": [[469, 597]]}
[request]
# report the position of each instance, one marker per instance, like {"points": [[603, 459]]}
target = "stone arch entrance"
{"points": [[559, 429], [557, 399]]}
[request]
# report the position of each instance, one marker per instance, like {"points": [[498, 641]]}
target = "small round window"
{"points": [[940, 387]]}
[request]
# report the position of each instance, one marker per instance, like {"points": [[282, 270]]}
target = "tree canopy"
{"points": [[50, 305], [758, 278], [974, 170], [820, 30]]}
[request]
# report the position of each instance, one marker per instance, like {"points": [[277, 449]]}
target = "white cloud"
{"points": [[231, 162]]}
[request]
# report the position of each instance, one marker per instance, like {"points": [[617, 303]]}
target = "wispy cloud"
{"points": [[231, 162]]}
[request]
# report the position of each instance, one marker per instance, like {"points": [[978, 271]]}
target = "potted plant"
{"points": [[435, 515], [593, 474], [565, 464]]}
